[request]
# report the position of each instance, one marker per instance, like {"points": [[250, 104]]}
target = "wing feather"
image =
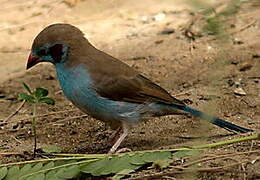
{"points": [[115, 80]]}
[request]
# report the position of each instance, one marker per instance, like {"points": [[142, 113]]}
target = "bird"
{"points": [[105, 87]]}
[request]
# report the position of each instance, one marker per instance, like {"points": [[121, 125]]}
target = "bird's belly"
{"points": [[117, 111], [104, 109]]}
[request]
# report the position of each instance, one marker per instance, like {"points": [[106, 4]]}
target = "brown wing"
{"points": [[136, 89], [116, 80]]}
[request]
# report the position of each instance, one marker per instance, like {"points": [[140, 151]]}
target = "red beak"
{"points": [[32, 60]]}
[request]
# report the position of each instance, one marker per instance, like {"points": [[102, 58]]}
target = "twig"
{"points": [[4, 100], [16, 140], [244, 169], [169, 177], [34, 129], [181, 170], [211, 169], [219, 157], [236, 31], [252, 144], [58, 92], [47, 114], [67, 119], [15, 112], [9, 153], [191, 48], [244, 27], [184, 92], [232, 141]]}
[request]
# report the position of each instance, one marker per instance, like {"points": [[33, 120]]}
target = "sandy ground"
{"points": [[198, 68]]}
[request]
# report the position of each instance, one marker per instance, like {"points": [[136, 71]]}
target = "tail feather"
{"points": [[215, 120]]}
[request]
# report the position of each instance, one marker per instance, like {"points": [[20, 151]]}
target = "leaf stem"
{"points": [[45, 161], [232, 141], [34, 128]]}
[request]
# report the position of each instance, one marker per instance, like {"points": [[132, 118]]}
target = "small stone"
{"points": [[159, 16], [234, 61], [158, 41], [230, 82], [255, 56], [238, 82], [21, 28], [145, 19], [237, 41], [232, 25], [187, 101], [239, 91], [167, 31], [245, 66]]}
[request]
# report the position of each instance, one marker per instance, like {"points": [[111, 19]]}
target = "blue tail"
{"points": [[214, 120]]}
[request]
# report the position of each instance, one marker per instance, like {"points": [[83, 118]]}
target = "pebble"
{"points": [[245, 66], [239, 91], [167, 31], [159, 16]]}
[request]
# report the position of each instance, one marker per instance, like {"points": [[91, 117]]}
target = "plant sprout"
{"points": [[35, 97]]}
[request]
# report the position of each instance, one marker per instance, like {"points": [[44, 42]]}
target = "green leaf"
{"points": [[68, 173], [137, 159], [48, 101], [39, 176], [51, 175], [36, 167], [122, 174], [27, 98], [117, 163], [148, 157], [48, 166], [25, 169], [60, 163], [3, 172], [161, 164], [151, 157], [28, 173], [26, 87], [121, 162], [41, 92], [184, 153], [109, 165], [51, 149], [13, 173], [94, 167]]}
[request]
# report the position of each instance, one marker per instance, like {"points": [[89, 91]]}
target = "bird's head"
{"points": [[55, 44]]}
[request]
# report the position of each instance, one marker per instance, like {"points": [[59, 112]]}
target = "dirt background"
{"points": [[165, 40]]}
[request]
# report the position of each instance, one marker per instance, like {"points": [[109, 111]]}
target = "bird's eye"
{"points": [[56, 52], [42, 52]]}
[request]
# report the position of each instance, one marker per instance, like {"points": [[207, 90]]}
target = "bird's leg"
{"points": [[120, 139], [112, 139]]}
